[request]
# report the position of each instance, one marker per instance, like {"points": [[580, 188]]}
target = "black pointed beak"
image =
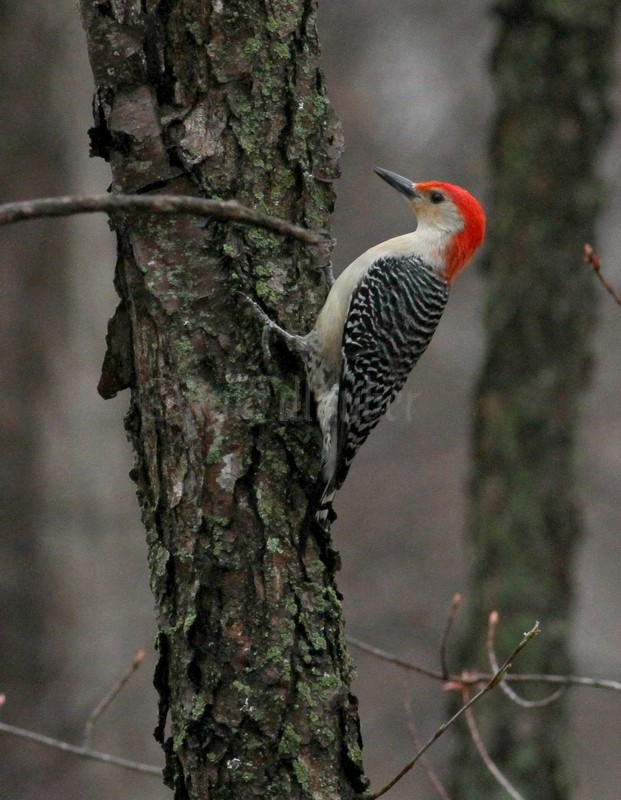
{"points": [[402, 185]]}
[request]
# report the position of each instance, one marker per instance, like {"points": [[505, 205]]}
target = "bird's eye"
{"points": [[436, 197]]}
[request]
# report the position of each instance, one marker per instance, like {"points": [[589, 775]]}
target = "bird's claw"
{"points": [[265, 343], [328, 273], [257, 309], [268, 326]]}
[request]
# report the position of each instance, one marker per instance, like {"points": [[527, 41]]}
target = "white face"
{"points": [[434, 208], [438, 220]]}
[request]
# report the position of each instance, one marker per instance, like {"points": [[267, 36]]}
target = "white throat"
{"points": [[427, 242]]}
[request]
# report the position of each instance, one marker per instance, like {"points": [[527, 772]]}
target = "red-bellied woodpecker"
{"points": [[378, 319]]}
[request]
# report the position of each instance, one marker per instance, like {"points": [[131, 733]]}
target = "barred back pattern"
{"points": [[393, 314]]}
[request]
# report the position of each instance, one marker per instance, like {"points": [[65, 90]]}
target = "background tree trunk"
{"points": [[551, 66], [226, 100], [32, 304]]}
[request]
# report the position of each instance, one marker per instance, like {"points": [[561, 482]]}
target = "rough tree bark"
{"points": [[552, 67], [226, 100]]}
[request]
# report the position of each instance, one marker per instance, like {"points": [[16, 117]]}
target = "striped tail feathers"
{"points": [[320, 516], [318, 520], [327, 414], [324, 514]]}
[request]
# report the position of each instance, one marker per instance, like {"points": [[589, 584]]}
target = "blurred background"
{"points": [[409, 81]]}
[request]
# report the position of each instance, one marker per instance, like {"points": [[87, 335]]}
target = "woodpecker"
{"points": [[378, 319]]}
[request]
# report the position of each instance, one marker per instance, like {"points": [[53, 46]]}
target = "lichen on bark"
{"points": [[227, 100]]}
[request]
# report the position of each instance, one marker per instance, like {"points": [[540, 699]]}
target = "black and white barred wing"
{"points": [[393, 314]]}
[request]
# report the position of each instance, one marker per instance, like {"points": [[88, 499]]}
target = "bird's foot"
{"points": [[296, 343], [328, 273], [268, 326]]}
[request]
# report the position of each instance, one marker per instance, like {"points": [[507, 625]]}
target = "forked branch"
{"points": [[492, 683], [86, 751]]}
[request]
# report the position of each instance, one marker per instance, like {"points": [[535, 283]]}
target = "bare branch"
{"points": [[166, 204], [453, 611], [564, 680], [483, 753], [85, 751], [392, 659], [511, 694], [493, 682], [474, 678], [411, 726], [109, 697], [82, 752], [592, 260]]}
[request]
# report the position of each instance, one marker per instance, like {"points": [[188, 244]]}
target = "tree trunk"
{"points": [[551, 67], [33, 299], [226, 100]]}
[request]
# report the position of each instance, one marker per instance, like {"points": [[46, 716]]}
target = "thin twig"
{"points": [[594, 261], [474, 678], [392, 659], [82, 752], [154, 204], [412, 730], [453, 611], [511, 694], [495, 680], [109, 697], [483, 753], [563, 680], [85, 751]]}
